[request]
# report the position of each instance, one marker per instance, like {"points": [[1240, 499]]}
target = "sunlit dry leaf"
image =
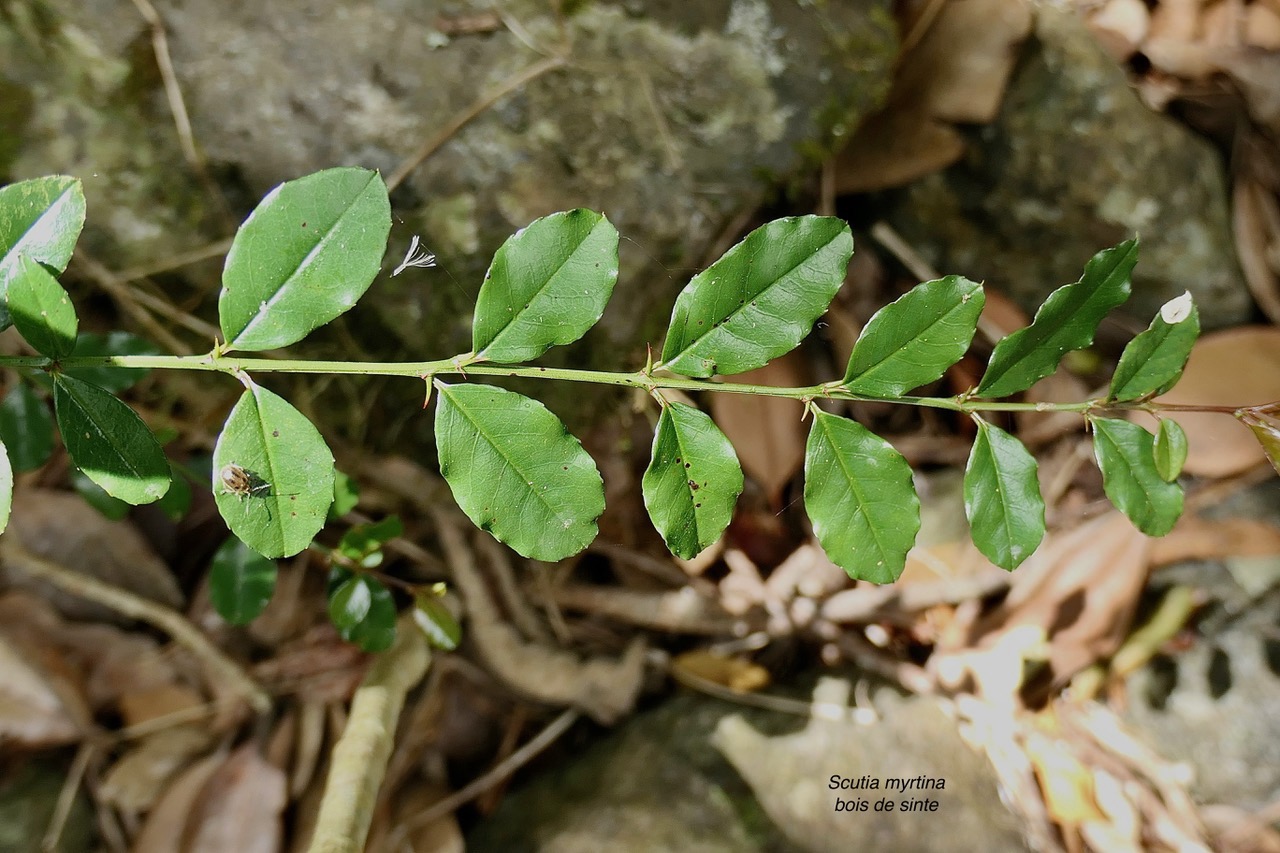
{"points": [[1255, 225], [1232, 368], [143, 773], [1120, 25], [165, 829], [1066, 782], [1262, 26], [1196, 538], [732, 672], [240, 807], [34, 710], [767, 432]]}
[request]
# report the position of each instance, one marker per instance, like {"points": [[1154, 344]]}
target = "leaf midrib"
{"points": [[898, 351]]}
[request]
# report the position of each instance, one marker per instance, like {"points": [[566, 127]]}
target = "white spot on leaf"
{"points": [[1176, 310]]}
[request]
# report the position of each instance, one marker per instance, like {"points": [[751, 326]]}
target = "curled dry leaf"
{"points": [[239, 807], [766, 432], [1234, 368]]}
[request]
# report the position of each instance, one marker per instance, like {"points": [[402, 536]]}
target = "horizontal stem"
{"points": [[236, 366]]}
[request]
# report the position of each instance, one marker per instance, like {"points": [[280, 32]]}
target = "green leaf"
{"points": [[113, 379], [516, 471], [548, 285], [41, 219], [1002, 498], [109, 442], [693, 480], [1170, 449], [364, 613], [1066, 321], [346, 495], [93, 494], [435, 620], [241, 582], [6, 487], [1152, 362], [860, 498], [306, 254], [289, 470], [363, 543], [41, 309], [177, 501], [912, 341], [1125, 453], [26, 427], [759, 300]]}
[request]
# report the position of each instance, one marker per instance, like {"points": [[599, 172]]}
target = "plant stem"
{"points": [[459, 366]]}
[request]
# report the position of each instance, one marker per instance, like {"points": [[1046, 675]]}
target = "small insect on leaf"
{"points": [[237, 481]]}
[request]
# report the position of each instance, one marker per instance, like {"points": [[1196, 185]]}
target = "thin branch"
{"points": [[182, 259], [135, 607]]}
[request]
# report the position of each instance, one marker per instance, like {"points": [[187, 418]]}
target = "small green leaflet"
{"points": [[1153, 361], [41, 219], [41, 309], [26, 427], [516, 471], [363, 543], [913, 340], [288, 473], [241, 582], [306, 254], [1170, 449], [1125, 454], [435, 620], [6, 487], [363, 611], [1002, 498], [548, 285], [860, 497], [760, 299], [109, 442], [693, 480], [1066, 321]]}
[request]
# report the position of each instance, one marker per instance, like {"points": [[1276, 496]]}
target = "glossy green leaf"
{"points": [[26, 427], [1002, 498], [860, 498], [548, 285], [913, 340], [41, 219], [1125, 454], [306, 254], [363, 543], [113, 379], [41, 309], [6, 487], [435, 620], [516, 471], [346, 495], [693, 480], [1066, 321], [93, 494], [1152, 362], [289, 472], [109, 442], [760, 299], [1170, 449], [364, 613], [241, 582]]}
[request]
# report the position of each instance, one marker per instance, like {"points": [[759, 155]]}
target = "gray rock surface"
{"points": [[1073, 164]]}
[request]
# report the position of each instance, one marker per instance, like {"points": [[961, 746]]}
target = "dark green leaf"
{"points": [[109, 442], [306, 254], [26, 427], [241, 582], [436, 621], [516, 471], [113, 379], [1002, 498], [346, 494], [548, 285], [1125, 453], [112, 508], [364, 613], [1152, 362], [693, 480], [41, 219], [41, 309], [288, 475], [1170, 449], [363, 543], [912, 342], [1066, 321], [6, 487], [759, 300], [860, 498]]}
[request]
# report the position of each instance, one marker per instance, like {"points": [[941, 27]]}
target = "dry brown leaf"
{"points": [[138, 778], [1176, 19], [240, 807], [36, 709], [1121, 25], [1262, 27], [1196, 538], [1256, 227], [165, 829], [442, 835], [895, 147], [1264, 423], [1236, 367], [732, 672], [141, 706], [1001, 316], [767, 432]]}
